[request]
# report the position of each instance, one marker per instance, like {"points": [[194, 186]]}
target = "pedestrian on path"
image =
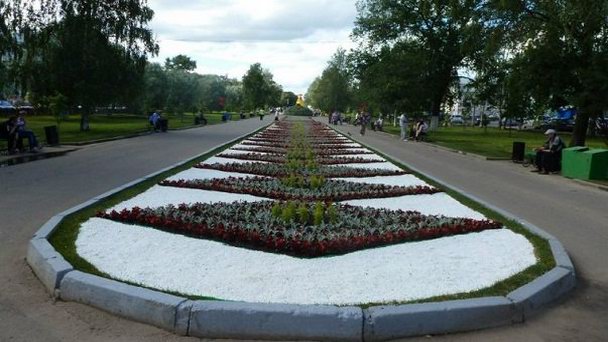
{"points": [[404, 126], [365, 119]]}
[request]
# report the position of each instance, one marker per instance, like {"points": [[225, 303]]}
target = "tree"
{"points": [[212, 92], [259, 88], [155, 87], [445, 32], [333, 90], [183, 92], [98, 48], [288, 98], [565, 48], [390, 79], [181, 62]]}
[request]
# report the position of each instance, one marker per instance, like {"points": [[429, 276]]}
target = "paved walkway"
{"points": [[576, 214]]}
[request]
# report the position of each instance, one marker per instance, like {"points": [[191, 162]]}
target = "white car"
{"points": [[456, 120]]}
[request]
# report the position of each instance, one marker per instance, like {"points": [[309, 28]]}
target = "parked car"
{"points": [[558, 124], [25, 107], [456, 120], [7, 108], [512, 122]]}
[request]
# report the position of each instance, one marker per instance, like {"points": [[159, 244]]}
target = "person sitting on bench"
{"points": [[23, 132], [549, 156], [421, 128], [8, 131]]}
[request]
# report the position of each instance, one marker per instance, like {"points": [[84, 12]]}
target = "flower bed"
{"points": [[303, 247], [321, 151], [332, 190], [280, 170], [279, 158], [255, 225]]}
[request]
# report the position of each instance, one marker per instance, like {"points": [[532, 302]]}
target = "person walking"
{"points": [[403, 124], [365, 119]]}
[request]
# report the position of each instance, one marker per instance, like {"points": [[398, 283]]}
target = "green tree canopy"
{"points": [[445, 33], [259, 88], [180, 62]]}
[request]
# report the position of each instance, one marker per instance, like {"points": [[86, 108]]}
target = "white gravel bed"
{"points": [[434, 204], [194, 173], [399, 180], [158, 196], [363, 156], [401, 272], [241, 151], [221, 160], [384, 166]]}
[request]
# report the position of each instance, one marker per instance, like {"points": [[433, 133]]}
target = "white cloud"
{"points": [[293, 39]]}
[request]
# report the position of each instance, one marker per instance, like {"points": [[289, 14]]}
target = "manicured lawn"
{"points": [[108, 126], [494, 142]]}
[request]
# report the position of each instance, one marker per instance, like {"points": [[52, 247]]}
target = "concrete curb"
{"points": [[390, 322], [140, 304], [222, 319], [48, 265], [217, 319]]}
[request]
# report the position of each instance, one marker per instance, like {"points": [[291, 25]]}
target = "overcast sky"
{"points": [[294, 39]]}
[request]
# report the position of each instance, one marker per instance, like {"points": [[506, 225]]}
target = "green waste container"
{"points": [[584, 163]]}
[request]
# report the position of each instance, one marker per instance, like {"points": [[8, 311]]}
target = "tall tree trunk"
{"points": [[579, 135], [435, 111]]}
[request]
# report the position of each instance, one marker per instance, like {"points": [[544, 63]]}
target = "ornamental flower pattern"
{"points": [[280, 170], [252, 225], [302, 176], [332, 190]]}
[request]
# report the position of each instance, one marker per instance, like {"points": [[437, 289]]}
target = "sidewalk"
{"points": [[576, 214]]}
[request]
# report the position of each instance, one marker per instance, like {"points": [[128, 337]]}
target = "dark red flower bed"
{"points": [[252, 225], [280, 170], [279, 158], [320, 151], [332, 190]]}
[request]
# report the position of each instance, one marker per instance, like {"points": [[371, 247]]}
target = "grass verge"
{"points": [[109, 126], [493, 142]]}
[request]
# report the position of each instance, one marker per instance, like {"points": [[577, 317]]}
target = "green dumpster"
{"points": [[583, 163]]}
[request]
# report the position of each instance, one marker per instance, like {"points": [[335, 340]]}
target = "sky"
{"points": [[293, 39]]}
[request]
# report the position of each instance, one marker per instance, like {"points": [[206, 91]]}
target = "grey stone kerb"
{"points": [[239, 320]]}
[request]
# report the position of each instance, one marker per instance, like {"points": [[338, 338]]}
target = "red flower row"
{"points": [[278, 158], [333, 190], [235, 235]]}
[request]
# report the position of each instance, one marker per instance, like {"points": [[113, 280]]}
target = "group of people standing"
{"points": [[14, 130], [417, 132]]}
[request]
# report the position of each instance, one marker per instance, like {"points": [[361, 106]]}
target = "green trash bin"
{"points": [[583, 163]]}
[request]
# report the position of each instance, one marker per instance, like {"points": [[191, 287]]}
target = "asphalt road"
{"points": [[33, 192]]}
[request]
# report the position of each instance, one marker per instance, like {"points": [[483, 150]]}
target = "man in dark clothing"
{"points": [[548, 158], [8, 131]]}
